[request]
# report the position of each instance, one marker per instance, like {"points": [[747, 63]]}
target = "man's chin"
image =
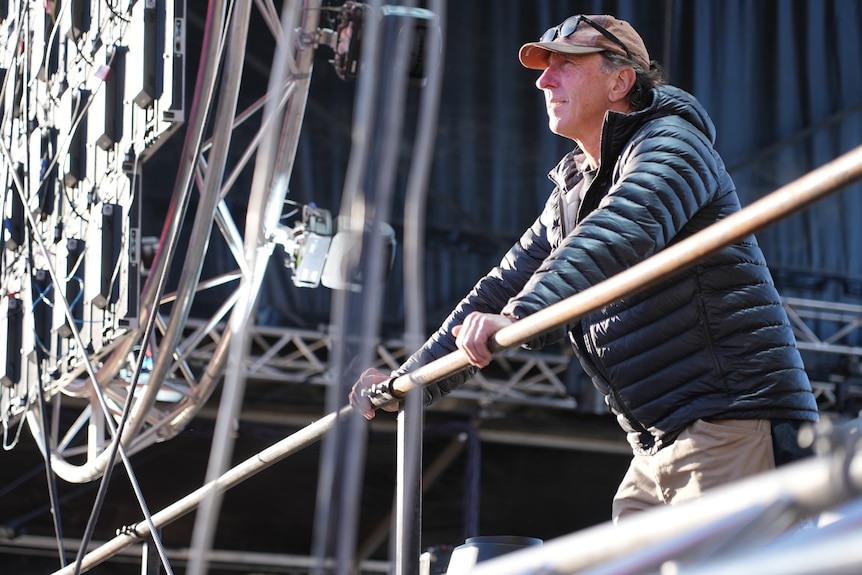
{"points": [[556, 128]]}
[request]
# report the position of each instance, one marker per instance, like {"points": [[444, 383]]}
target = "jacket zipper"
{"points": [[561, 206], [591, 350], [706, 335]]}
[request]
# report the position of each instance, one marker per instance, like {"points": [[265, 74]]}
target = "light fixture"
{"points": [[320, 251]]}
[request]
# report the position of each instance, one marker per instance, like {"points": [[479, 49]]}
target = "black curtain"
{"points": [[781, 80]]}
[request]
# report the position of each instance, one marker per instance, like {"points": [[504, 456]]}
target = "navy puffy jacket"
{"points": [[712, 342]]}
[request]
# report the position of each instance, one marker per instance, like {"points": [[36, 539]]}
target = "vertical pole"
{"points": [[407, 527], [411, 420], [150, 562]]}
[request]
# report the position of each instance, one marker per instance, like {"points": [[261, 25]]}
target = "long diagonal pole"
{"points": [[815, 185]]}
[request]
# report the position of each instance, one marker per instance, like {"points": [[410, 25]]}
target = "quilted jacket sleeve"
{"points": [[489, 295]]}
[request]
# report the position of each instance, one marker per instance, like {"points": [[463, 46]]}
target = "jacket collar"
{"points": [[569, 171]]}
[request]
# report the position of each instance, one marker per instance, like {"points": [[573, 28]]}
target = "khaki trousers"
{"points": [[706, 454]]}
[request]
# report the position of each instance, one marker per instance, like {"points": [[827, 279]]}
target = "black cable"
{"points": [[106, 476], [49, 472], [46, 447], [116, 14]]}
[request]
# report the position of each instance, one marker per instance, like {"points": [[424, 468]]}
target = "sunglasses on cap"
{"points": [[568, 27]]}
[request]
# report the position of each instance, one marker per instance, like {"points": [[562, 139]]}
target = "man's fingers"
{"points": [[361, 403], [367, 379], [473, 335], [472, 338]]}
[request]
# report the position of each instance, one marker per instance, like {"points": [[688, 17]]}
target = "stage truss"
{"points": [[89, 90]]}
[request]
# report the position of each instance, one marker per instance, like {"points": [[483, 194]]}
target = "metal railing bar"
{"points": [[817, 184]]}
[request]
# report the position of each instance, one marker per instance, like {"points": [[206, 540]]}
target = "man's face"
{"points": [[576, 95]]}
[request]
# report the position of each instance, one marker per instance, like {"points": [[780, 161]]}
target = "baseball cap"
{"points": [[582, 34]]}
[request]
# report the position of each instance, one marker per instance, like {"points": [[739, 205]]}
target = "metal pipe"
{"points": [[407, 528], [204, 216], [136, 533], [794, 196], [269, 187], [440, 464], [226, 560], [367, 187], [810, 486], [810, 481], [221, 449]]}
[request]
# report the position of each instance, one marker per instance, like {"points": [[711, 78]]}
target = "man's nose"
{"points": [[544, 80]]}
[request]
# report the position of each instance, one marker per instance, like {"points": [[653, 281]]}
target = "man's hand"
{"points": [[472, 336], [360, 402]]}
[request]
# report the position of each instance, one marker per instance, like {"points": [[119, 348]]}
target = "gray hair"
{"points": [[645, 80]]}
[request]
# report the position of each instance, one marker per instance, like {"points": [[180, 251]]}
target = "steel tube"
{"points": [[809, 481], [794, 196], [809, 486], [221, 449], [234, 476]]}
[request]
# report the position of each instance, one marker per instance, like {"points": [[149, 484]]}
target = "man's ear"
{"points": [[624, 79]]}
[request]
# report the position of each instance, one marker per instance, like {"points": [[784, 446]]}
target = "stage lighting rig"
{"points": [[88, 91], [319, 250], [346, 34], [306, 243]]}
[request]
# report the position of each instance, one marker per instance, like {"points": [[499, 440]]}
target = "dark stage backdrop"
{"points": [[782, 81]]}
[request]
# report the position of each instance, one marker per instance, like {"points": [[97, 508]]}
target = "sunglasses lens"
{"points": [[568, 27], [563, 30]]}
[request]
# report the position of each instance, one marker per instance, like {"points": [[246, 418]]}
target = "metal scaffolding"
{"points": [[136, 369]]}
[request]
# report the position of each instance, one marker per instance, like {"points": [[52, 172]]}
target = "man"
{"points": [[702, 370]]}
